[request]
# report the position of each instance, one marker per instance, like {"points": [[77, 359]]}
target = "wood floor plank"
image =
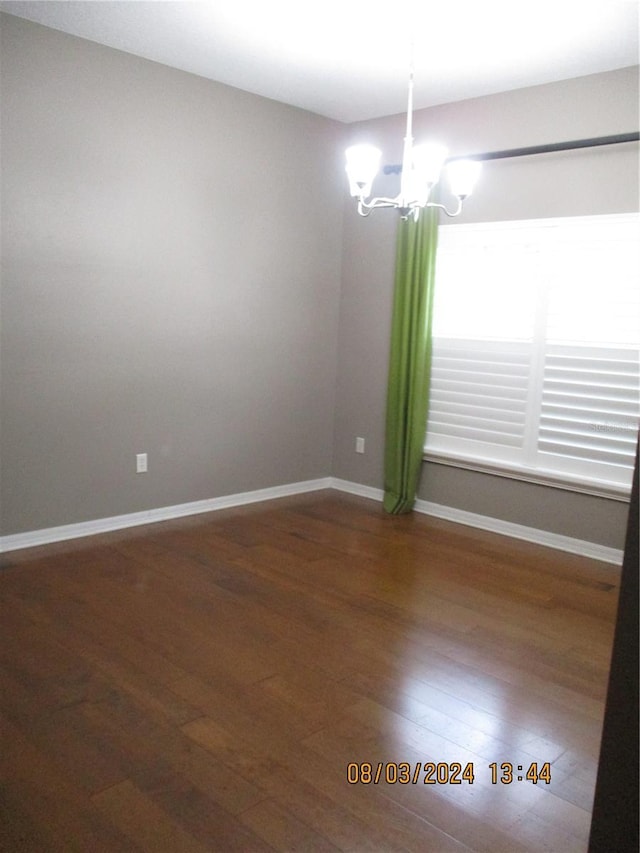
{"points": [[195, 812], [280, 828], [53, 812], [157, 748], [203, 684], [143, 822]]}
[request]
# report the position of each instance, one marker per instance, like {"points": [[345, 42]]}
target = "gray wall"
{"points": [[603, 180], [163, 288]]}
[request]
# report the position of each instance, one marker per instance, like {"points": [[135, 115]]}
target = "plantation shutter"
{"points": [[589, 411], [536, 348]]}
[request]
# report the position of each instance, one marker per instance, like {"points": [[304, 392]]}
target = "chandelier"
{"points": [[422, 166]]}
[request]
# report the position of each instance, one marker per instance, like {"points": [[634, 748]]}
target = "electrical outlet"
{"points": [[141, 463], [359, 445]]}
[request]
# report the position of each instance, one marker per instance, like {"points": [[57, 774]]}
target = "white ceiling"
{"points": [[349, 59]]}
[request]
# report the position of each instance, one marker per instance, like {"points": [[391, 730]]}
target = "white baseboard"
{"points": [[520, 531], [496, 525], [357, 489], [119, 522]]}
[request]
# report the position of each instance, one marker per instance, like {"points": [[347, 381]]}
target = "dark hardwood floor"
{"points": [[204, 684]]}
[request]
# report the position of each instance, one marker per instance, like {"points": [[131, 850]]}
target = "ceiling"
{"points": [[349, 59]]}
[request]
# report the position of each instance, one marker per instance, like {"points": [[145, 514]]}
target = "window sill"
{"points": [[612, 491]]}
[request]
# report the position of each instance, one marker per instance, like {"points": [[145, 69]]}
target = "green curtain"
{"points": [[409, 361]]}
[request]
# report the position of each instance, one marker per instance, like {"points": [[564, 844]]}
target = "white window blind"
{"points": [[536, 348]]}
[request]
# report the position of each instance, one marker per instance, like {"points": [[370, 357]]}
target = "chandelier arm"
{"points": [[362, 210], [378, 202], [382, 201], [365, 207], [451, 213]]}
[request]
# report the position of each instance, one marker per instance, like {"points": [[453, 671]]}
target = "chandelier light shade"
{"points": [[363, 162], [422, 168], [463, 176]]}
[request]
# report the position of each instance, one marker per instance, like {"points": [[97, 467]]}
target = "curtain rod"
{"points": [[555, 146], [616, 139]]}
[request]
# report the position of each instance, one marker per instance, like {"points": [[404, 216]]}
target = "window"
{"points": [[536, 344]]}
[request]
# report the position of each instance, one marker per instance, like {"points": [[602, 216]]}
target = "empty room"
{"points": [[319, 403]]}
